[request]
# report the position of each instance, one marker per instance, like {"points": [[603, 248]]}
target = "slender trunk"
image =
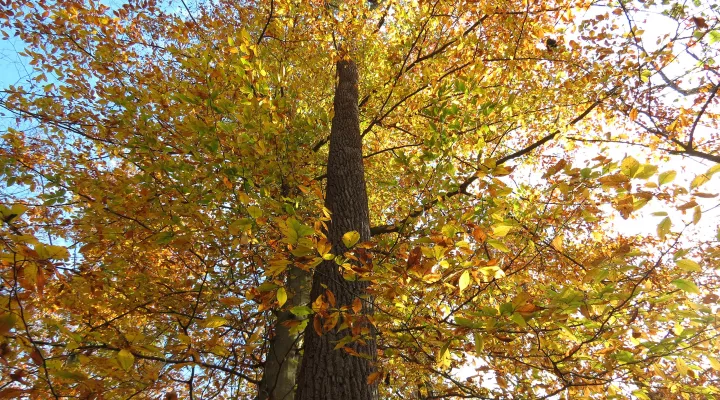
{"points": [[326, 373], [283, 356]]}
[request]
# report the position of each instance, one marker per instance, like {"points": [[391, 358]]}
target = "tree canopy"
{"points": [[165, 167]]}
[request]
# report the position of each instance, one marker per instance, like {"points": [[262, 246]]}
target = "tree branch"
{"points": [[462, 189]]}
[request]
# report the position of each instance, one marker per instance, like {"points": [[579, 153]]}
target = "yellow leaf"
{"points": [[666, 177], [479, 343], [9, 214], [350, 239], [498, 245], [255, 211], [501, 230], [324, 247], [697, 214], [281, 297], [681, 366], [699, 181], [52, 252], [464, 280], [629, 166], [30, 272], [125, 359], [663, 227], [557, 243], [714, 363], [214, 322], [688, 265]]}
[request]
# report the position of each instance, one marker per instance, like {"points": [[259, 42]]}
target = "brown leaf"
{"points": [[414, 257], [700, 22], [36, 357], [331, 297], [11, 393]]}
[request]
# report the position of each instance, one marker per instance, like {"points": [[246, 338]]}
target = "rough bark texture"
{"points": [[328, 374], [283, 356]]}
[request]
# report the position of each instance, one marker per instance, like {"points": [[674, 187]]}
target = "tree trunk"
{"points": [[283, 356], [325, 373]]}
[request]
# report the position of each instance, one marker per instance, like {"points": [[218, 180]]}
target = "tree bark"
{"points": [[283, 356], [325, 373]]}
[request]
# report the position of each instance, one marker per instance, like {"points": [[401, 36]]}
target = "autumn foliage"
{"points": [[163, 178]]}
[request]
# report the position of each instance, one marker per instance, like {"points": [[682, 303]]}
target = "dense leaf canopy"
{"points": [[163, 167]]}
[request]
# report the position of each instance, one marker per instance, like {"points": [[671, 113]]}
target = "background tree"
{"points": [[164, 201]]}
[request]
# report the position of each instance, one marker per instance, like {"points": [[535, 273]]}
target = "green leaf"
{"points": [[464, 280], [686, 286], [506, 308], [301, 311], [666, 177], [163, 238], [126, 359], [301, 229], [350, 239], [467, 323], [255, 212], [518, 319], [688, 265], [281, 296], [714, 36]]}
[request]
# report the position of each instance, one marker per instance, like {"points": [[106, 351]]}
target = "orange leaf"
{"points": [[479, 235], [317, 325], [330, 297], [357, 305], [633, 114], [331, 321], [372, 378]]}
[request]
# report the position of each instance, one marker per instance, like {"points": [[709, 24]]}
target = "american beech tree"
{"points": [[359, 200]]}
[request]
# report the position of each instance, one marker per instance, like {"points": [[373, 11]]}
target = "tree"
{"points": [[185, 211]]}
